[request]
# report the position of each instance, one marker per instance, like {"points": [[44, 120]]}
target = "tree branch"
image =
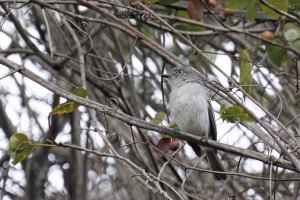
{"points": [[148, 125]]}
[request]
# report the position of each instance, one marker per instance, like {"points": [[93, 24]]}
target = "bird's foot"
{"points": [[204, 139], [176, 131]]}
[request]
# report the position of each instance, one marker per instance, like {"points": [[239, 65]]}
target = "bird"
{"points": [[191, 110]]}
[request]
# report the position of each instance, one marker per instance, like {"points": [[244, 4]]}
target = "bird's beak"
{"points": [[165, 75]]}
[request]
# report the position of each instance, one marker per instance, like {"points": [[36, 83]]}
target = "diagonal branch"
{"points": [[149, 125]]}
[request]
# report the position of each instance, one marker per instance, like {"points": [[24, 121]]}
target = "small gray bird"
{"points": [[192, 112]]}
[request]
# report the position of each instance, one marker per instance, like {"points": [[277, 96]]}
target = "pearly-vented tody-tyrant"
{"points": [[191, 110]]}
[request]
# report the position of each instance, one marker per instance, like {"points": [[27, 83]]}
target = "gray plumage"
{"points": [[191, 110]]}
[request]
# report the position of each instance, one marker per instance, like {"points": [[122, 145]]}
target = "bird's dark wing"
{"points": [[212, 128]]}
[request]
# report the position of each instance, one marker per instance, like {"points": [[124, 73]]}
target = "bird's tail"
{"points": [[215, 164], [213, 160]]}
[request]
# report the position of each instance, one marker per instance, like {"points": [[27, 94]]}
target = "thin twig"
{"points": [[12, 72]]}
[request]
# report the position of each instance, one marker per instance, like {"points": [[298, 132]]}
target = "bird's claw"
{"points": [[204, 139], [176, 130]]}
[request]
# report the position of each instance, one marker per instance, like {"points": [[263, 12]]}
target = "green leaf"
{"points": [[188, 27], [174, 125], [167, 2], [235, 113], [69, 106], [237, 4], [159, 117], [183, 14], [249, 5], [296, 45], [251, 11], [64, 108], [149, 33], [291, 32], [79, 91], [222, 108], [20, 147], [279, 4], [246, 68], [295, 4], [152, 1], [277, 55]]}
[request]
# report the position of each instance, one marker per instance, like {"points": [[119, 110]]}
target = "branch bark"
{"points": [[148, 125]]}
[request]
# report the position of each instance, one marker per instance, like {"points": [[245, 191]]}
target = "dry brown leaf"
{"points": [[163, 144], [212, 3], [195, 9]]}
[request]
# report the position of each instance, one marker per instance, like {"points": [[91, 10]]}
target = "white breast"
{"points": [[189, 108]]}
